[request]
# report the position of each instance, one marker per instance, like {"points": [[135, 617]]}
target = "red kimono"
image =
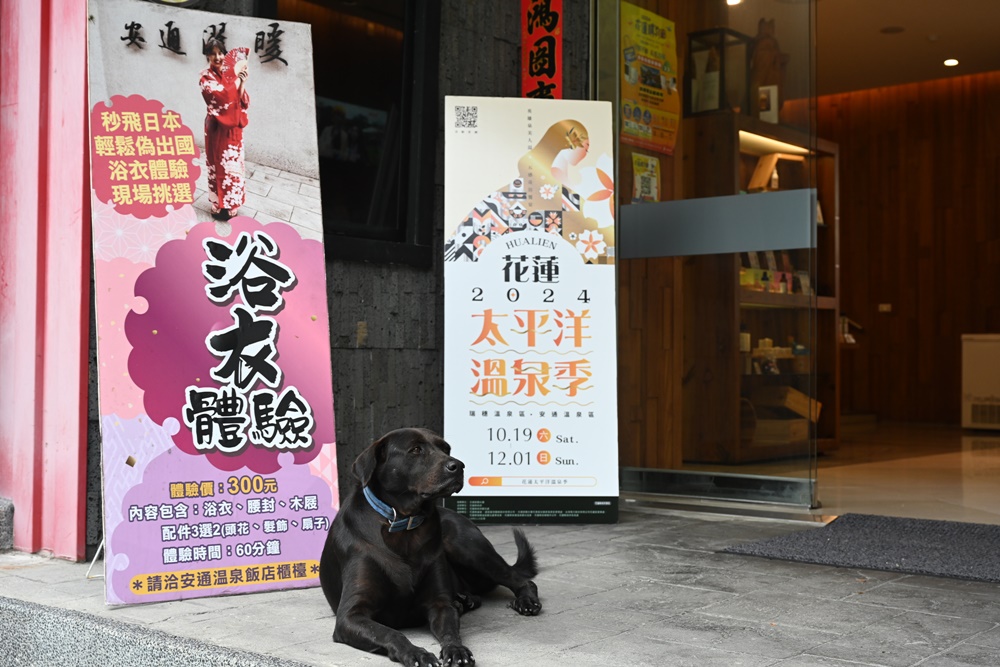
{"points": [[224, 123]]}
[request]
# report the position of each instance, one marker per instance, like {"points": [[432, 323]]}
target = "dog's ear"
{"points": [[367, 461]]}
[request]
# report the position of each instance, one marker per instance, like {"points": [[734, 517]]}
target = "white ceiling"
{"points": [[852, 53]]}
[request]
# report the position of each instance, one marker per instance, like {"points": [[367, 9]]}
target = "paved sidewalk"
{"points": [[651, 590]]}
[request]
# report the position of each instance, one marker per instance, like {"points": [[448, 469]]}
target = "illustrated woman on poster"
{"points": [[223, 88], [546, 196]]}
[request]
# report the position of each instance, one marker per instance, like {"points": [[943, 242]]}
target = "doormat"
{"points": [[893, 544]]}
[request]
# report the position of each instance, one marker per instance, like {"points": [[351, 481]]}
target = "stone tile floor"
{"points": [[650, 590]]}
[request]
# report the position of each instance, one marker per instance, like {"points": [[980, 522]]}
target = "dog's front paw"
{"points": [[454, 655], [526, 601], [467, 602], [418, 657]]}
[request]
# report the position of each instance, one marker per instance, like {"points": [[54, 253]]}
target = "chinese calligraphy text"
{"points": [[541, 48]]}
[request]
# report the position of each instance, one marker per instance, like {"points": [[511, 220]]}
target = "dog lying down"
{"points": [[395, 559]]}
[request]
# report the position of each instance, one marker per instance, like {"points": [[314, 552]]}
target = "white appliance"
{"points": [[981, 381]]}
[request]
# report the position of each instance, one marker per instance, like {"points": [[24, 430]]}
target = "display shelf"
{"points": [[752, 299], [726, 152], [773, 353]]}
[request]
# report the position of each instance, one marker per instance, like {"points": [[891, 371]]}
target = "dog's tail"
{"points": [[526, 564]]}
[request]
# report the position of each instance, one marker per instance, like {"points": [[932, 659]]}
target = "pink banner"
{"points": [[216, 398]]}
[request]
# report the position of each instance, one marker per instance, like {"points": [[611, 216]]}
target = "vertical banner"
{"points": [[216, 400], [530, 351], [650, 97], [541, 48]]}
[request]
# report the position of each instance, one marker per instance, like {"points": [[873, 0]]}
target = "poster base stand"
{"points": [[93, 561], [536, 509]]}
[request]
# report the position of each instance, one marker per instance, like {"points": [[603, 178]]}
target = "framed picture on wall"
{"points": [[767, 103]]}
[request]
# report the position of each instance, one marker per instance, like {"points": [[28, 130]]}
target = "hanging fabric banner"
{"points": [[530, 352], [215, 392], [541, 48]]}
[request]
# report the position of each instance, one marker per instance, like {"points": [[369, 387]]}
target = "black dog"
{"points": [[394, 558]]}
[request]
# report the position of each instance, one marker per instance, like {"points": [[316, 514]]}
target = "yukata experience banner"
{"points": [[216, 402], [530, 371]]}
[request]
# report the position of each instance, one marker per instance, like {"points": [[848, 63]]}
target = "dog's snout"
{"points": [[454, 465]]}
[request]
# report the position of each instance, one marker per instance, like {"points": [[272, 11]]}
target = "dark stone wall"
{"points": [[95, 511], [481, 50], [385, 333], [392, 375], [387, 320]]}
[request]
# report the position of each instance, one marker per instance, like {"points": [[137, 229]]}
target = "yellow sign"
{"points": [[650, 96], [234, 576], [645, 178]]}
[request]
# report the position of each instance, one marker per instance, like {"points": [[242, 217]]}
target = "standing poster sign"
{"points": [[650, 97], [216, 400], [530, 352]]}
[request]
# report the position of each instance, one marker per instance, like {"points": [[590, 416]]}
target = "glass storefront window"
{"points": [[376, 73], [728, 283]]}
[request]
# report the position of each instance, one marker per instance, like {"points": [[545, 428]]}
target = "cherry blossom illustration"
{"points": [[591, 244], [597, 191], [548, 191], [553, 222]]}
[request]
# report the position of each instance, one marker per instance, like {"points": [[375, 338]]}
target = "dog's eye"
{"points": [[415, 449]]}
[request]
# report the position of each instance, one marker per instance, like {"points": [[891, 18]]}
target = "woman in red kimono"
{"points": [[222, 86]]}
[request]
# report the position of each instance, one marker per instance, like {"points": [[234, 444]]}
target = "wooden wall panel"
{"points": [[649, 325], [646, 366], [921, 231]]}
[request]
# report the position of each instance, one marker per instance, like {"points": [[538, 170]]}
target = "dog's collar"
{"points": [[395, 524]]}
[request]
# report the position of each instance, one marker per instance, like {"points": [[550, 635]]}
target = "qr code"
{"points": [[466, 117], [645, 185]]}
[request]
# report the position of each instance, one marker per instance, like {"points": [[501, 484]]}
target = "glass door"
{"points": [[727, 272]]}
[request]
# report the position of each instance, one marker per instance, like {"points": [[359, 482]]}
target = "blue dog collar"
{"points": [[395, 525]]}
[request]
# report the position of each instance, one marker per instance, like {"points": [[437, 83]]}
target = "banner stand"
{"points": [[530, 329]]}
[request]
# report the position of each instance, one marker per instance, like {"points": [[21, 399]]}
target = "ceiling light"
{"points": [[733, 2], [951, 62]]}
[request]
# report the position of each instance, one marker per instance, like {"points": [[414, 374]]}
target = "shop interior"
{"points": [[900, 148], [904, 400]]}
